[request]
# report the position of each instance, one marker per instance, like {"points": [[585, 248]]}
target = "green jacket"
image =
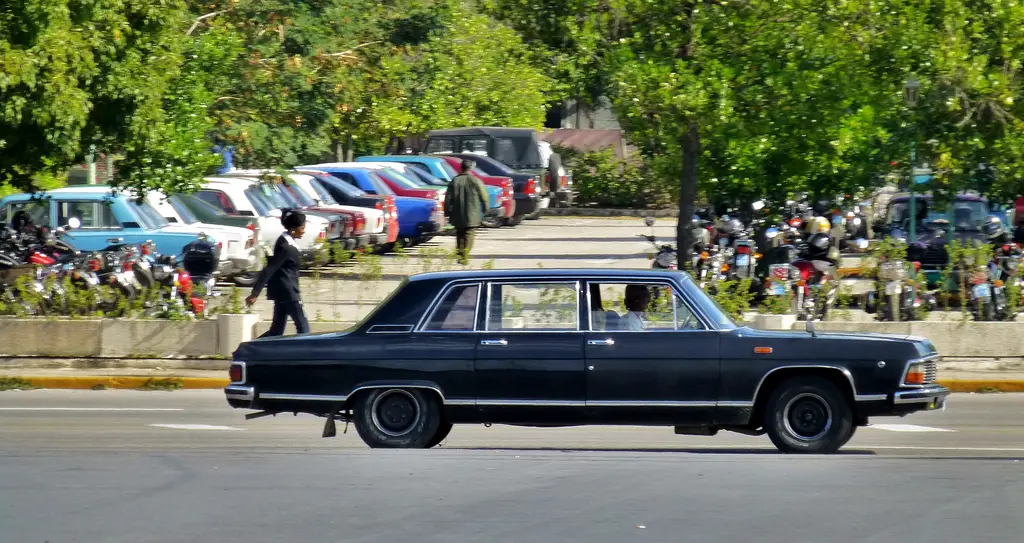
{"points": [[465, 201]]}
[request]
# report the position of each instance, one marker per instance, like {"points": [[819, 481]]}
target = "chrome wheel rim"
{"points": [[807, 417], [395, 412]]}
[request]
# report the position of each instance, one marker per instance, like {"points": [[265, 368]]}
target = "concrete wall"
{"points": [[997, 345]]}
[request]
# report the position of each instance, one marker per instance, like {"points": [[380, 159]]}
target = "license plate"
{"points": [[893, 287], [742, 260], [778, 290], [981, 291], [779, 271]]}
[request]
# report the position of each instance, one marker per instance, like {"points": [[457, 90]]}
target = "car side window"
{"points": [[37, 211], [535, 306], [638, 307], [95, 215], [456, 312], [474, 145], [439, 146]]}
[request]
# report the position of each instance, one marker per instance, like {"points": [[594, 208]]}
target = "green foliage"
{"points": [[733, 296], [169, 383], [16, 383], [603, 180]]}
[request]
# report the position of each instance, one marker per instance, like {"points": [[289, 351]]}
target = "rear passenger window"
{"points": [[456, 312], [534, 306]]}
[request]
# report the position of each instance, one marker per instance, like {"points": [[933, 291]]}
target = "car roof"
{"points": [[904, 197], [484, 131], [550, 273]]}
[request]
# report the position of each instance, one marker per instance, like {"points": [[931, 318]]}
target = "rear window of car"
{"points": [[448, 170], [379, 185], [345, 187], [399, 179], [147, 215], [440, 146], [261, 200], [37, 211], [182, 210]]}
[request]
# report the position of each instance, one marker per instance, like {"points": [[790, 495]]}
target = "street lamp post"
{"points": [[910, 93]]}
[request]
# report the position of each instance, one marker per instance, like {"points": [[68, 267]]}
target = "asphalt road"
{"points": [[126, 466]]}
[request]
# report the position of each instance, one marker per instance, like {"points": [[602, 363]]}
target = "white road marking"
{"points": [[91, 409], [907, 428], [195, 427], [911, 448]]}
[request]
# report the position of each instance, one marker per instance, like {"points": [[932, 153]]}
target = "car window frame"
{"points": [[428, 315], [234, 211], [676, 295], [51, 210], [577, 283], [110, 206]]}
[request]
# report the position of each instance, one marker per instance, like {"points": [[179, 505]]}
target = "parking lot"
{"points": [[347, 292]]}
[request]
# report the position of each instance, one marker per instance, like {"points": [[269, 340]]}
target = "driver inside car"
{"points": [[638, 299]]}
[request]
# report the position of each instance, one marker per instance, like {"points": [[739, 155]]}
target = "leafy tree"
{"points": [[76, 73]]}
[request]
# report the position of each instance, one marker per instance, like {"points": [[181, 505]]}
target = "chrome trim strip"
{"points": [[240, 393], [461, 402], [306, 397], [245, 371], [734, 404], [652, 403], [531, 403], [911, 362], [844, 371], [870, 397], [394, 329]]}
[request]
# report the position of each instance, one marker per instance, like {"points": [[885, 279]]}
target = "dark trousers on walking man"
{"points": [[464, 243]]}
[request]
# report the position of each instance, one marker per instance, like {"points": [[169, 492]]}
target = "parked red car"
{"points": [[403, 186], [508, 201]]}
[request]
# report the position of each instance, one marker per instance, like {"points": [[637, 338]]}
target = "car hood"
{"points": [[832, 344]]}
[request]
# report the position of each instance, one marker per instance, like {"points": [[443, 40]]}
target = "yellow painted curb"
{"points": [[130, 382], [983, 385]]}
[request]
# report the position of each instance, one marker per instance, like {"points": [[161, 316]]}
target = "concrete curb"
{"points": [[609, 212], [193, 383]]}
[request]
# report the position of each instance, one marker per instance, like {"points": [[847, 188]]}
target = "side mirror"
{"points": [[73, 222], [649, 221]]}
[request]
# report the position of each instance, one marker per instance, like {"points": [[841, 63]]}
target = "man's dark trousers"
{"points": [[282, 312], [464, 241]]}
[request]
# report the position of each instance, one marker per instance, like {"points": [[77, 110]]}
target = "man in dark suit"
{"points": [[281, 277]]}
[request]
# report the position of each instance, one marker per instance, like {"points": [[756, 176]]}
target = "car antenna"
{"points": [[810, 328]]}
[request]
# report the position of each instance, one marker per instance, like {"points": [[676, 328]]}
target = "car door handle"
{"points": [[494, 342], [601, 342]]}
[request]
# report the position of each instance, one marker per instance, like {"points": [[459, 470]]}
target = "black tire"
{"points": [[808, 415], [514, 221], [246, 279], [397, 418], [534, 216], [442, 432]]}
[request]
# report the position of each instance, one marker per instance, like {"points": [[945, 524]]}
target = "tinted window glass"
{"points": [[399, 179], [474, 145], [300, 196], [457, 312], [447, 168], [541, 306], [91, 214], [440, 146], [182, 210], [217, 199], [147, 215], [379, 185]]}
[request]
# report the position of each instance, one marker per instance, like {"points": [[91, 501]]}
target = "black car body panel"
{"points": [[706, 371]]}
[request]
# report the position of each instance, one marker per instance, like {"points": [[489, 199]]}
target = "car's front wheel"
{"points": [[397, 418], [808, 415]]}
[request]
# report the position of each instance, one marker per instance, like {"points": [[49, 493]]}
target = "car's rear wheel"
{"points": [[397, 418], [808, 415], [443, 430]]}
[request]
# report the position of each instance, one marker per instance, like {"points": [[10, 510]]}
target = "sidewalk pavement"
{"points": [[154, 376]]}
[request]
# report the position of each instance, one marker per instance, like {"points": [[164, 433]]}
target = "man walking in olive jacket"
{"points": [[464, 206]]}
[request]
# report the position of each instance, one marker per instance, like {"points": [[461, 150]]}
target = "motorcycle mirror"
{"points": [[73, 222], [758, 205], [649, 221]]}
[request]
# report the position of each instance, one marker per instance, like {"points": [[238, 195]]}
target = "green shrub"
{"points": [[603, 180]]}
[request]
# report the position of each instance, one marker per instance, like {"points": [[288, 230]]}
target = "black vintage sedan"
{"points": [[581, 347]]}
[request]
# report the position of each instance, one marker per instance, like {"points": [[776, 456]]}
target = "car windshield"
{"points": [[147, 215], [261, 199], [711, 308], [182, 210], [399, 179], [962, 214], [379, 185], [298, 195], [191, 201], [348, 190]]}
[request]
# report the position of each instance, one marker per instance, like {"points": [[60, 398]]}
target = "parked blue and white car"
{"points": [[418, 218], [106, 217]]}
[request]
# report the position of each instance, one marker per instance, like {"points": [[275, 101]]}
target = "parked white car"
{"points": [[375, 230], [236, 197], [241, 253]]}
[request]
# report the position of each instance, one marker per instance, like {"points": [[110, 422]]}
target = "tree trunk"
{"points": [[687, 195]]}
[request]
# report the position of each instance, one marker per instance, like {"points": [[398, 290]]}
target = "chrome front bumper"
{"points": [[933, 396]]}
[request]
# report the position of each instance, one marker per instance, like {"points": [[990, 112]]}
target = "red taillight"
{"points": [[917, 266], [94, 265], [379, 206], [220, 246], [531, 187], [795, 223], [322, 235], [360, 223], [235, 373], [145, 249], [251, 226], [743, 250]]}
